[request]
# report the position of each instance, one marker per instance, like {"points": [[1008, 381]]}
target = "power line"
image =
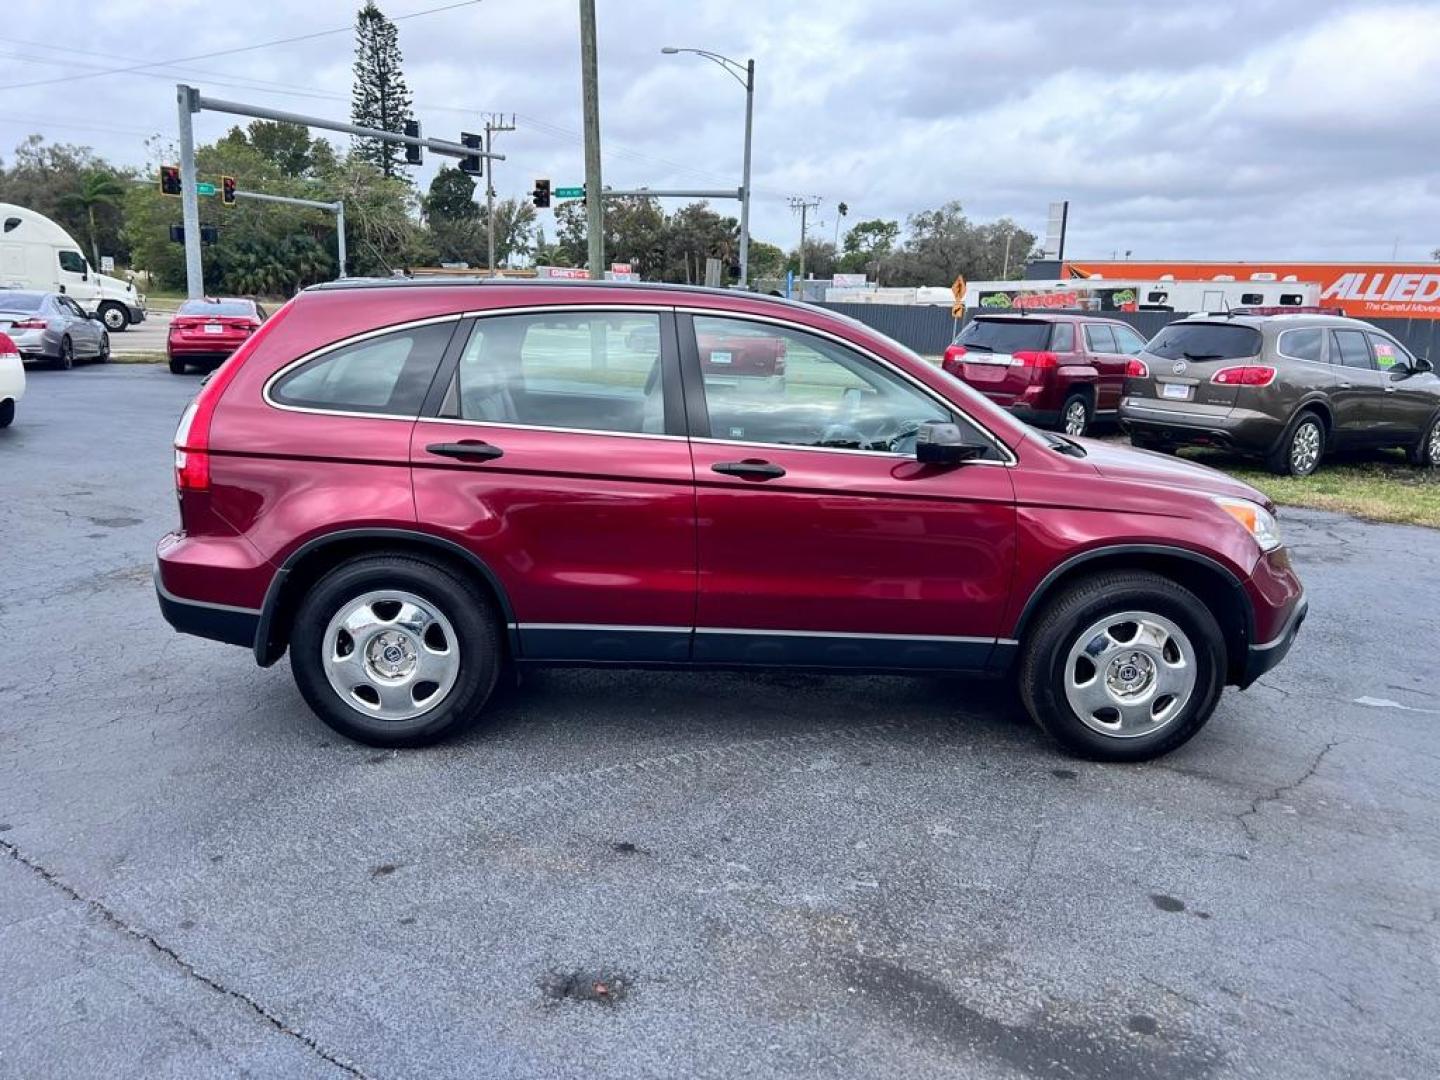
{"points": [[229, 52]]}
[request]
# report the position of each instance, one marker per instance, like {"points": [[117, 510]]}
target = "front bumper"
{"points": [[136, 312], [1265, 656]]}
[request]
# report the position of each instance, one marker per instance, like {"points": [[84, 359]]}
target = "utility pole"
{"points": [[804, 205], [492, 125], [590, 92]]}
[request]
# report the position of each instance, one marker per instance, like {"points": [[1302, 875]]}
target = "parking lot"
{"points": [[642, 874]]}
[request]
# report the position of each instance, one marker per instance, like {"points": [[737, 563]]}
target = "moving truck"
{"points": [[36, 253]]}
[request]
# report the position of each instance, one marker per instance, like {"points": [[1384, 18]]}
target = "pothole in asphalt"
{"points": [[599, 987]]}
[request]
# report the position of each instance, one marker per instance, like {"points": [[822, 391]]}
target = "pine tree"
{"points": [[379, 98]]}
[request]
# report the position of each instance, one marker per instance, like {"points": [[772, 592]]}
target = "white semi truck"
{"points": [[36, 253]]}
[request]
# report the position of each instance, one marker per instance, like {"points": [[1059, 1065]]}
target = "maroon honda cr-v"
{"points": [[413, 486]]}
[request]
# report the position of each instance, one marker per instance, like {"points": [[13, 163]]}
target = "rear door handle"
{"points": [[1389, 389], [1345, 386], [466, 450], [751, 469]]}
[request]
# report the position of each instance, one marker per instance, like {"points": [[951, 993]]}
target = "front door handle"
{"points": [[1345, 386], [1389, 389], [751, 468], [466, 450]]}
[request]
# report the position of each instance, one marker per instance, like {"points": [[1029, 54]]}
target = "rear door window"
{"points": [[1004, 335], [1305, 344], [1062, 337], [388, 374], [1099, 339], [1205, 341], [1348, 348]]}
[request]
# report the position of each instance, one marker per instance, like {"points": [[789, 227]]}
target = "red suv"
{"points": [[1060, 371], [412, 486]]}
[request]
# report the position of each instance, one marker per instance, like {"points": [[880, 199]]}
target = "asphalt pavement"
{"points": [[679, 875]]}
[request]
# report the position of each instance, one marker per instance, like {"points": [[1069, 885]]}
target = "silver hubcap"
{"points": [[1305, 447], [1130, 674], [1435, 444], [391, 655], [1075, 418]]}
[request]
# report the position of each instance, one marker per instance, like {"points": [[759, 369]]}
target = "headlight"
{"points": [[1258, 521]]}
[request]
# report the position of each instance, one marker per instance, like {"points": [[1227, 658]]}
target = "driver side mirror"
{"points": [[1422, 363], [938, 443]]}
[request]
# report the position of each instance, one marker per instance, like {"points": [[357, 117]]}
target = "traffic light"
{"points": [[414, 155], [227, 191], [170, 180], [541, 195], [471, 166]]}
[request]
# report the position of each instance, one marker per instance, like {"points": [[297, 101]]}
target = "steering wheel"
{"points": [[841, 434]]}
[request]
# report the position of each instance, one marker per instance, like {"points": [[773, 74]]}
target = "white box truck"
{"points": [[36, 253]]}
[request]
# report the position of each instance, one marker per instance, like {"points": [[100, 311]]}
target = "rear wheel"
{"points": [[7, 413], [1075, 414], [395, 650], [67, 355], [177, 366], [1123, 666], [1301, 448], [104, 355], [1426, 452]]}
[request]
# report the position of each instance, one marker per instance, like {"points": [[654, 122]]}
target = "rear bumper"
{"points": [[1038, 417], [196, 349], [1237, 429], [218, 622], [1266, 655]]}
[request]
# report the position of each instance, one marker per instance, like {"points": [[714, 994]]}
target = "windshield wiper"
{"points": [[1202, 356], [969, 345], [1062, 445]]}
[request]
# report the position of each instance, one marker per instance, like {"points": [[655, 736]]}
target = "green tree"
{"points": [[867, 245], [286, 146], [766, 260], [514, 230], [98, 188], [379, 97], [943, 243], [451, 197], [44, 176]]}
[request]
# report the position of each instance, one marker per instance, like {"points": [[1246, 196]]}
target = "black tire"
{"points": [[459, 600], [1049, 641], [115, 317], [1425, 453], [1282, 460], [66, 360], [177, 366], [7, 413], [104, 355], [1076, 412]]}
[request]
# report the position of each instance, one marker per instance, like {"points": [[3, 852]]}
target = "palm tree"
{"points": [[97, 188]]}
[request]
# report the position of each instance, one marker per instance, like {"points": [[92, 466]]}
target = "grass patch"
{"points": [[1378, 487], [138, 358]]}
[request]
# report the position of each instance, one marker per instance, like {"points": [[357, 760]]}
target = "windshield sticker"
{"points": [[1385, 354]]}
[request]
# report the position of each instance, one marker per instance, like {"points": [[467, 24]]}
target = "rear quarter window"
{"points": [[388, 373], [1307, 344], [1205, 341]]}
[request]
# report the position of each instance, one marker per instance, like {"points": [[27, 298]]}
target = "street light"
{"points": [[744, 74]]}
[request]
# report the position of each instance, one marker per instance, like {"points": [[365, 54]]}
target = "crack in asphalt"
{"points": [[1282, 790], [108, 916]]}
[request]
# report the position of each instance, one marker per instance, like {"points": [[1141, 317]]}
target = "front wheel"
{"points": [[1426, 451], [395, 651], [1123, 666], [115, 317], [1075, 415]]}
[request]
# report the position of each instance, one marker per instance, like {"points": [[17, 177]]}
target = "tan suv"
{"points": [[1289, 388]]}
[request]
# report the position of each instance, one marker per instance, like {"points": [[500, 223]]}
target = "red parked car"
{"points": [[205, 332], [413, 486], [1060, 371]]}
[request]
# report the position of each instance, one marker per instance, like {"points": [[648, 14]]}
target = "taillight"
{"points": [[1137, 369], [29, 324], [1041, 358], [192, 436], [8, 351], [1247, 375], [953, 353]]}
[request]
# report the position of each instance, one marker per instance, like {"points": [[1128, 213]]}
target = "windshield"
{"points": [[21, 301], [1005, 335], [1204, 341], [217, 308]]}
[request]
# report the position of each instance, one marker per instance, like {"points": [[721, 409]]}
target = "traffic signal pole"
{"points": [[337, 208], [189, 197], [192, 101]]}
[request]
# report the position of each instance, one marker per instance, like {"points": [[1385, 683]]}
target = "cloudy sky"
{"points": [[1221, 128]]}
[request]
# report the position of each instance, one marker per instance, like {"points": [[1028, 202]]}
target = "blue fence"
{"points": [[928, 328]]}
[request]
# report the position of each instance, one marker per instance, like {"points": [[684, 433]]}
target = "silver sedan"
{"points": [[52, 327]]}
